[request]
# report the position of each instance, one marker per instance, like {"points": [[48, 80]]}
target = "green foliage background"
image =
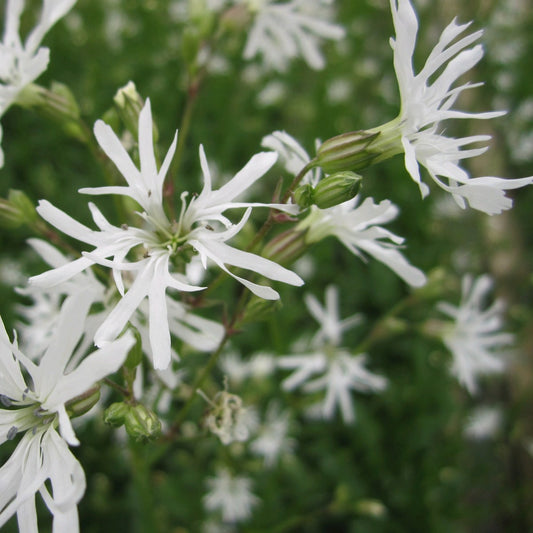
{"points": [[407, 450]]}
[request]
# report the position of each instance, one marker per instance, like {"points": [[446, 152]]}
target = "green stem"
{"points": [[145, 501], [199, 381]]}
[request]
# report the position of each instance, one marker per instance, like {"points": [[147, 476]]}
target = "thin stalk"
{"points": [[200, 379]]}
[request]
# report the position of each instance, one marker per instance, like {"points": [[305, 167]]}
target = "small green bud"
{"points": [[257, 309], [115, 414], [286, 247], [57, 103], [336, 189], [17, 210], [129, 103], [347, 152], [84, 402], [202, 17], [142, 423], [304, 196]]}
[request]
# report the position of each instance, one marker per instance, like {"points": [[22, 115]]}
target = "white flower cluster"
{"points": [[80, 329]]}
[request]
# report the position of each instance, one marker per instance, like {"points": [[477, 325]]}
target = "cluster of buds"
{"points": [[141, 423]]}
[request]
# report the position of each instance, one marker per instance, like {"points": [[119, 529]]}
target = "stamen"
{"points": [[12, 433], [5, 401]]}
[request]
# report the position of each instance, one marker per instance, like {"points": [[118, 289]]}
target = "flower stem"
{"points": [[199, 381]]}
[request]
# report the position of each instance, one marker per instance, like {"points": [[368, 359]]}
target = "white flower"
{"points": [[36, 398], [339, 372], [40, 318], [427, 99], [357, 228], [474, 337], [231, 496], [272, 440], [284, 31], [484, 422], [161, 246], [331, 326], [22, 63]]}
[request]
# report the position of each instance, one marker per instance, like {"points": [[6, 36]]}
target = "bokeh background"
{"points": [[409, 463]]}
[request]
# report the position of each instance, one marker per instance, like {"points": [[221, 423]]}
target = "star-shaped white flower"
{"points": [[356, 226], [35, 399], [427, 99], [475, 336], [272, 439], [282, 31], [231, 496], [154, 252], [22, 63], [334, 369]]}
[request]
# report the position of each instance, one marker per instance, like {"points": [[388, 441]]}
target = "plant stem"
{"points": [[200, 379]]}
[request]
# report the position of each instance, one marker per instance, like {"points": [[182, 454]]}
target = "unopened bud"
{"points": [[304, 196], [348, 151], [336, 189], [129, 103], [84, 402], [286, 247], [17, 210], [115, 414], [256, 310], [57, 103], [142, 423]]}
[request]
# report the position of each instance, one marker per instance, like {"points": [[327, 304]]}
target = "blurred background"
{"points": [[424, 455]]}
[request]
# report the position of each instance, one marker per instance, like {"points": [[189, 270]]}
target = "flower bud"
{"points": [[17, 210], [129, 103], [84, 402], [336, 189], [115, 414], [142, 423], [57, 103], [286, 247], [256, 310], [304, 196], [349, 151]]}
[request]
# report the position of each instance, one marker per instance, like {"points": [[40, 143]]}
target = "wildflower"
{"points": [[162, 248], [22, 63], [272, 440], [36, 400], [339, 372], [283, 31], [425, 104], [331, 325], [231, 496], [474, 336], [356, 226]]}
